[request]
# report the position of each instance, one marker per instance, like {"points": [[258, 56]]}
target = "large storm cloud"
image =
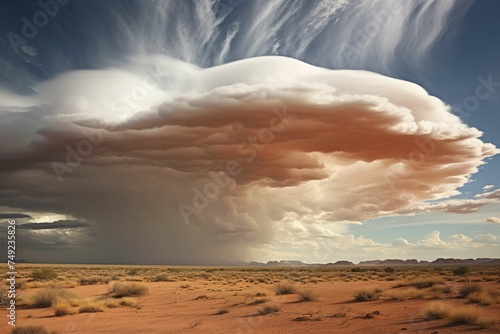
{"points": [[191, 165]]}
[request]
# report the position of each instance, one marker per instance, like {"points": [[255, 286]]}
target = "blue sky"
{"points": [[90, 55]]}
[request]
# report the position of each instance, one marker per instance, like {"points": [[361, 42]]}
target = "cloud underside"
{"points": [[493, 219], [59, 224], [250, 146]]}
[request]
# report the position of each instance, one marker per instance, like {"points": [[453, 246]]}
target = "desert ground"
{"points": [[170, 299]]}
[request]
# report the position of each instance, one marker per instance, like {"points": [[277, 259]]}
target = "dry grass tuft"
{"points": [[285, 289], [111, 303], [94, 280], [128, 289], [307, 296], [436, 310], [91, 306], [44, 274], [269, 308], [30, 330], [484, 298], [162, 278], [62, 308], [131, 302], [468, 288], [46, 297], [470, 315], [367, 294]]}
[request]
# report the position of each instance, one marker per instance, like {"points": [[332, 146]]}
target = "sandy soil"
{"points": [[168, 308]]}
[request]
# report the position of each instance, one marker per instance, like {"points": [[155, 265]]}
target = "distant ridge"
{"points": [[387, 262]]}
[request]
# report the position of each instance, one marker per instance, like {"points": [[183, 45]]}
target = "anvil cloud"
{"points": [[286, 141]]}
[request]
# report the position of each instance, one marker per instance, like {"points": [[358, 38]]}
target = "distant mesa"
{"points": [[387, 262], [341, 263], [286, 263]]}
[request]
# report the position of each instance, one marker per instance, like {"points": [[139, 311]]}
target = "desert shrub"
{"points": [[61, 308], [112, 303], [46, 297], [426, 283], [222, 311], [389, 270], [129, 302], [438, 291], [464, 314], [419, 283], [436, 310], [307, 296], [458, 314], [43, 274], [30, 330], [483, 298], [460, 271], [129, 289], [133, 271], [268, 309], [468, 288], [285, 289], [367, 294], [94, 280], [19, 284], [162, 278], [91, 306]]}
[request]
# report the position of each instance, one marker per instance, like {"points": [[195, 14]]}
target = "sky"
{"points": [[218, 131]]}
